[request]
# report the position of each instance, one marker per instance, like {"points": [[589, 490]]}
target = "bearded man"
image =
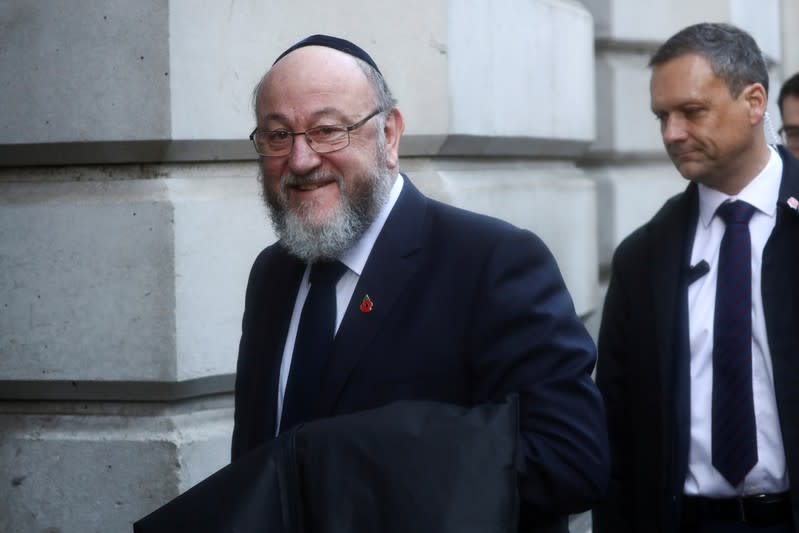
{"points": [[375, 293]]}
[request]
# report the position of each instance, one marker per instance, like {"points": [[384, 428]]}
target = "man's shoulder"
{"points": [[460, 229], [271, 254], [451, 226], [466, 225], [275, 260], [447, 214], [674, 212]]}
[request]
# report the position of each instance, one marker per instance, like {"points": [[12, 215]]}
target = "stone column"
{"points": [[790, 37]]}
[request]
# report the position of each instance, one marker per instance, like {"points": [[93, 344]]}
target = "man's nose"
{"points": [[302, 158], [673, 130]]}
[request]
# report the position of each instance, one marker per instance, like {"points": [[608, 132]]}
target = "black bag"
{"points": [[410, 466]]}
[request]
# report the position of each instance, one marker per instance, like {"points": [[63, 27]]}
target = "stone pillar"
{"points": [[130, 212], [790, 37]]}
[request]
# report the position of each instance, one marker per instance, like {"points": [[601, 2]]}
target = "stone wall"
{"points": [[130, 211]]}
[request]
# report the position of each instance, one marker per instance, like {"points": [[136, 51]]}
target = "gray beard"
{"points": [[357, 209]]}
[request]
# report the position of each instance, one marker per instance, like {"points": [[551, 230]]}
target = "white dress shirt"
{"points": [[355, 260], [769, 474]]}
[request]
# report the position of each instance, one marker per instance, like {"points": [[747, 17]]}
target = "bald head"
{"points": [[319, 79], [337, 43], [381, 94]]}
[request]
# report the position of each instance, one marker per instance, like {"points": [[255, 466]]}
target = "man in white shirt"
{"points": [[698, 346], [422, 301]]}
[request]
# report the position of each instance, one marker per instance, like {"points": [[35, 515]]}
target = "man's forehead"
{"points": [[314, 81], [688, 74], [790, 112], [331, 113], [335, 43], [791, 104], [316, 66], [685, 64]]}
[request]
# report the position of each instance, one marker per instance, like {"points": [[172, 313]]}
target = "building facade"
{"points": [[130, 210]]}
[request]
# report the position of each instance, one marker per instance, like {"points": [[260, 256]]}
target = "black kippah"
{"points": [[342, 45]]}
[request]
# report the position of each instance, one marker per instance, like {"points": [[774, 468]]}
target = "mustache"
{"points": [[295, 180]]}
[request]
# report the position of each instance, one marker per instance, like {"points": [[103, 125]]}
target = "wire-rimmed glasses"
{"points": [[321, 139]]}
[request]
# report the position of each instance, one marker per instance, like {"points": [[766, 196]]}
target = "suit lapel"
{"points": [[780, 290], [392, 261], [673, 237], [281, 291]]}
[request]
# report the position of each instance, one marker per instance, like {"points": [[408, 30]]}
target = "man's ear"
{"points": [[757, 100], [393, 129]]}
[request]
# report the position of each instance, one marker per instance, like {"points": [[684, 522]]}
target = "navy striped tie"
{"points": [[734, 439], [314, 343]]}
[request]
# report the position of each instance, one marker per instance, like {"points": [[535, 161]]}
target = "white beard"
{"points": [[346, 223]]}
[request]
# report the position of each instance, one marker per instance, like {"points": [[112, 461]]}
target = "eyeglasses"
{"points": [[321, 139], [790, 134]]}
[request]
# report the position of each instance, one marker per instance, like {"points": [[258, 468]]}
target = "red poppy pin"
{"points": [[366, 304]]}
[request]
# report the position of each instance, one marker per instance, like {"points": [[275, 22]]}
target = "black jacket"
{"points": [[644, 358], [467, 310], [407, 467]]}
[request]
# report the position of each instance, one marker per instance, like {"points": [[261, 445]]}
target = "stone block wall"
{"points": [[130, 212]]}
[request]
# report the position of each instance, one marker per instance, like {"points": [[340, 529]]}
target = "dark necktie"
{"points": [[313, 344], [734, 439]]}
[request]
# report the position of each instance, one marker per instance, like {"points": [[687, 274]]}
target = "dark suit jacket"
{"points": [[407, 467], [643, 369], [467, 309]]}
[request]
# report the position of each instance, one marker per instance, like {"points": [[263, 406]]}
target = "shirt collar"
{"points": [[355, 258], [762, 192]]}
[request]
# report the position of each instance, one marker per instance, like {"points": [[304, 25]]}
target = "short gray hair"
{"points": [[732, 53], [384, 100]]}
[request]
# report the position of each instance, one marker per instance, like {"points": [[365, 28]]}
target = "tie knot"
{"points": [[736, 212], [327, 272]]}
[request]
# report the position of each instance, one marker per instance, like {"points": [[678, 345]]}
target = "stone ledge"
{"points": [[123, 152], [150, 391], [235, 150]]}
